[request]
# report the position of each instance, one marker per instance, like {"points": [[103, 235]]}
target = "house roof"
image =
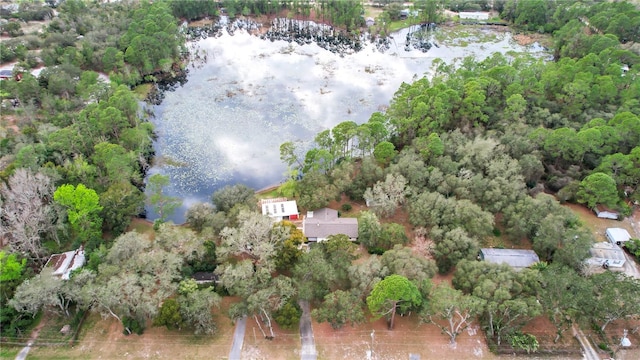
{"points": [[516, 258], [279, 208], [617, 234], [204, 276], [602, 252], [61, 265], [324, 214], [325, 222]]}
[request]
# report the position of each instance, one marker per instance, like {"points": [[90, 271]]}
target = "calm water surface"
{"points": [[225, 125]]}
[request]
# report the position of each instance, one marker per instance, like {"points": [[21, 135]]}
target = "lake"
{"points": [[246, 96]]}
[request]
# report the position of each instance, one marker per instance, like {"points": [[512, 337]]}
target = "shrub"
{"points": [[13, 28], [346, 207], [526, 342], [169, 315], [288, 315], [132, 325], [376, 251], [633, 245], [496, 232]]}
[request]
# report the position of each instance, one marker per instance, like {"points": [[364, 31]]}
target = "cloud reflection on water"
{"points": [[227, 122]]}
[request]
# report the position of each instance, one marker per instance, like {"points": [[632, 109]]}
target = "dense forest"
{"points": [[484, 153]]}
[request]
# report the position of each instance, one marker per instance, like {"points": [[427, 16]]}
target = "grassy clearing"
{"points": [[462, 35], [143, 90], [141, 226], [372, 11], [8, 352], [401, 24]]}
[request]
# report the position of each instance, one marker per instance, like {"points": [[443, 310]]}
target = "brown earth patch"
{"points": [[598, 226], [10, 122], [531, 38], [285, 345], [614, 332], [408, 337], [545, 332]]}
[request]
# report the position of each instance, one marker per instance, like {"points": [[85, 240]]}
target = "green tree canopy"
{"points": [[83, 211], [394, 293], [598, 188]]}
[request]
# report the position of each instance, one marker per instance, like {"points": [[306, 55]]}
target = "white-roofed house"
{"points": [[61, 265], [319, 224], [280, 209], [607, 256]]}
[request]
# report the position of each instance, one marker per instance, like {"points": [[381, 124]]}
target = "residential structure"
{"points": [[61, 265], [319, 224], [280, 209], [607, 256], [617, 236], [369, 21], [474, 15], [516, 258], [6, 74]]}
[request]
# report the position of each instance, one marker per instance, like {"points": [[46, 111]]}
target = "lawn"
{"points": [[8, 352]]}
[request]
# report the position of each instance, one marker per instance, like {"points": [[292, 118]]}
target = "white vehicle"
{"points": [[617, 236]]}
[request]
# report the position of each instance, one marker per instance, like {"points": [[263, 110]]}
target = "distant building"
{"points": [[617, 236], [319, 224], [369, 21], [605, 213], [280, 209], [204, 277], [474, 15], [6, 74], [61, 265], [516, 258]]}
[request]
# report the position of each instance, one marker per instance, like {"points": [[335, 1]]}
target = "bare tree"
{"points": [[261, 293], [456, 309], [255, 237], [385, 197], [27, 216]]}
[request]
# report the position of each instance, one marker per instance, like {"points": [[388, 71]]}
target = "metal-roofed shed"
{"points": [[516, 258]]}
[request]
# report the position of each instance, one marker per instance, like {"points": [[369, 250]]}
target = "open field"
{"points": [[103, 339], [408, 337]]}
